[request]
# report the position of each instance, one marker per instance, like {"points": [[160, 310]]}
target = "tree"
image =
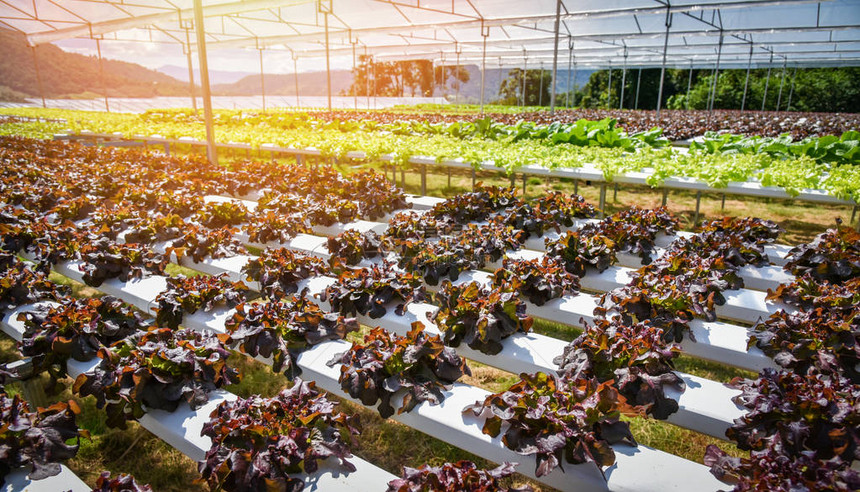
{"points": [[451, 75], [400, 78], [815, 89], [594, 94], [538, 83]]}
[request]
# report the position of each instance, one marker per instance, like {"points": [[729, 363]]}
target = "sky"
{"points": [[157, 55]]}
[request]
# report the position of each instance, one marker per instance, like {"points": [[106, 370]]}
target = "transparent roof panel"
{"points": [[601, 31]]}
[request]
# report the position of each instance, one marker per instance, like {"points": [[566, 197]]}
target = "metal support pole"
{"points": [[367, 66], [573, 104], [698, 205], [38, 75], [457, 74], [747, 81], [374, 87], [485, 33], [716, 77], [569, 62], [609, 89], [423, 179], [575, 186], [449, 177], [791, 91], [327, 58], [473, 179], [354, 89], [615, 193], [781, 83], [262, 79], [540, 90], [723, 203], [638, 83], [102, 73], [623, 80], [767, 82], [203, 63], [689, 84], [525, 70], [296, 76], [663, 65], [187, 48], [602, 200], [554, 61], [665, 197]]}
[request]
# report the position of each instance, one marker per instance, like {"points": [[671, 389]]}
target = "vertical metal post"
{"points": [[574, 86], [689, 84], [203, 63], [374, 86], [354, 88], [525, 181], [623, 80], [457, 76], [262, 79], [102, 73], [485, 33], [569, 62], [423, 179], [327, 57], [747, 81], [525, 70], [665, 196], [663, 65], [296, 76], [609, 89], [190, 67], [38, 75], [367, 65], [716, 77], [554, 60], [767, 82], [698, 205], [602, 200], [781, 83], [540, 90], [791, 91], [473, 179], [638, 83]]}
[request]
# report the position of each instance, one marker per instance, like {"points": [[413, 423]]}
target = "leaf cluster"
{"points": [[558, 420], [278, 271], [419, 364], [538, 280], [455, 477], [635, 357], [282, 329], [156, 369], [36, 439], [479, 317], [271, 443], [190, 294]]}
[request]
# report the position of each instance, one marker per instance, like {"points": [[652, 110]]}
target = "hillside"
{"points": [[68, 74], [310, 84]]}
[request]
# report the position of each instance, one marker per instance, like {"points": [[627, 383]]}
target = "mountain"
{"points": [[70, 74], [310, 84], [215, 76]]}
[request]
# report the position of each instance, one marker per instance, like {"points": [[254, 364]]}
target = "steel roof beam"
{"points": [[104, 27]]}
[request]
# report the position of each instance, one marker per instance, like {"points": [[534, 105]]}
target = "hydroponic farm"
{"points": [[399, 245]]}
